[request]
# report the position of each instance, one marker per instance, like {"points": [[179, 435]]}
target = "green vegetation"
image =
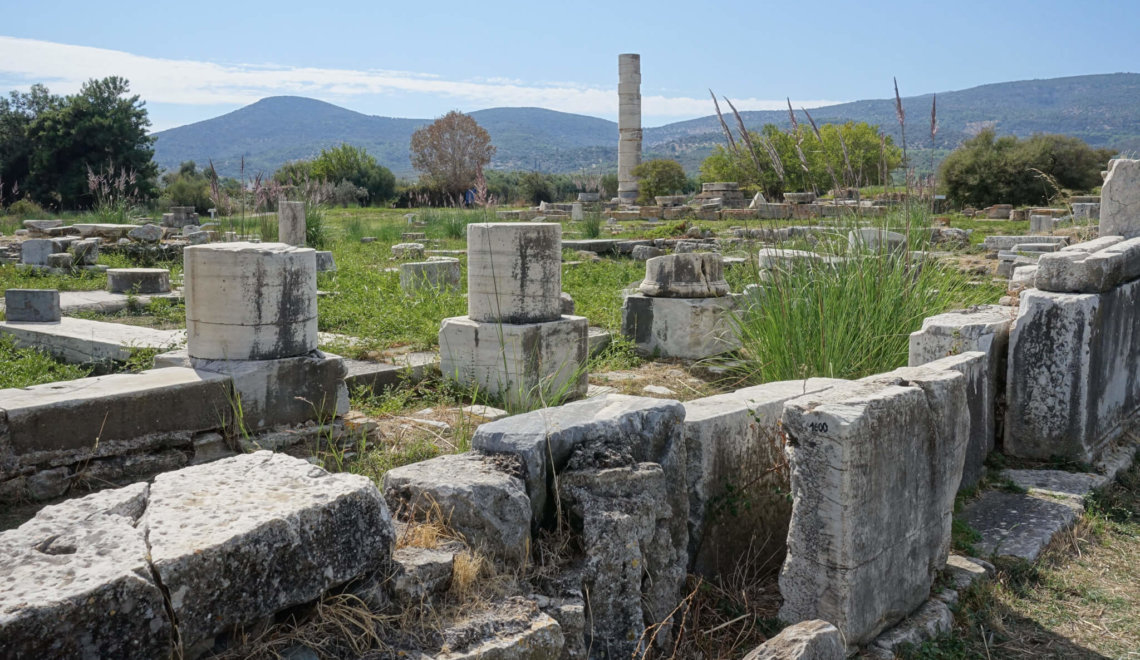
{"points": [[51, 146], [659, 176], [1005, 170], [451, 153], [24, 367]]}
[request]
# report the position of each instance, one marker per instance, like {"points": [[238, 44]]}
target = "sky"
{"points": [[191, 61]]}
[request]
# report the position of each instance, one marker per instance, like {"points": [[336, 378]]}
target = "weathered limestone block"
{"points": [[291, 223], [986, 329], [1071, 377], [422, 573], [688, 328], [934, 618], [83, 341], [1120, 199], [875, 239], [408, 251], [250, 301], [62, 423], [475, 496], [542, 639], [42, 225], [31, 305], [35, 251], [1018, 524], [689, 275], [855, 557], [439, 274], [544, 439], [284, 391], [738, 510], [77, 583], [1092, 267], [325, 262], [527, 362], [1086, 211], [809, 640], [646, 252], [147, 233], [1008, 242], [138, 280], [245, 537], [772, 258], [514, 272]]}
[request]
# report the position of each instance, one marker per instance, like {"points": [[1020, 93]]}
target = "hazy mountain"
{"points": [[1101, 109]]}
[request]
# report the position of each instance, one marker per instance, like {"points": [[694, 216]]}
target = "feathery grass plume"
{"points": [[933, 134], [849, 173], [774, 156], [799, 138], [723, 125], [901, 115], [747, 138], [819, 136]]}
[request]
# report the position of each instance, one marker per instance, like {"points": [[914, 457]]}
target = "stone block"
{"points": [[81, 341], [31, 305], [475, 496], [523, 363], [61, 261], [1086, 211], [773, 258], [291, 223], [1093, 267], [545, 439], [875, 240], [440, 274], [689, 275], [855, 557], [325, 262], [284, 391], [646, 252], [985, 329], [931, 620], [1120, 199], [35, 251], [86, 252], [78, 584], [422, 573], [247, 301], [1019, 525], [146, 233], [514, 272], [1071, 377], [809, 640], [408, 251], [995, 243], [42, 225], [688, 328], [243, 538], [62, 423], [738, 509], [138, 280]]}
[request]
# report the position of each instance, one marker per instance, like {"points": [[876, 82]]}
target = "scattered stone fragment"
{"points": [[809, 640]]}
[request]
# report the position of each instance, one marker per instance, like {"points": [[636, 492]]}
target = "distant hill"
{"points": [[1100, 109]]}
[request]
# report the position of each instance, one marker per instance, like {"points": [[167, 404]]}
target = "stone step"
{"points": [[82, 341]]}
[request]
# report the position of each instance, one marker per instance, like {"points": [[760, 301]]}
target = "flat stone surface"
{"points": [[597, 245], [245, 537], [75, 582], [82, 340], [1019, 525], [1056, 482], [964, 571], [929, 621]]}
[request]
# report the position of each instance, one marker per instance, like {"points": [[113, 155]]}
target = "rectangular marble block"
{"points": [[523, 363], [31, 305], [688, 328]]}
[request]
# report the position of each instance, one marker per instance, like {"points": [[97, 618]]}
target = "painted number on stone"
{"points": [[818, 427]]}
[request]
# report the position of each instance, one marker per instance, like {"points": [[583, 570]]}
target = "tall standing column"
{"points": [[629, 125]]}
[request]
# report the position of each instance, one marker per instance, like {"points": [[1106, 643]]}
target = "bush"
{"points": [[26, 208], [660, 176], [987, 169]]}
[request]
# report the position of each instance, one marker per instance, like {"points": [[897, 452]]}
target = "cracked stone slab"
{"points": [[242, 538], [75, 582], [809, 640], [1056, 482], [1019, 525]]}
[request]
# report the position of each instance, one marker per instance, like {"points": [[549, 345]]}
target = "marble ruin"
{"points": [[629, 125]]}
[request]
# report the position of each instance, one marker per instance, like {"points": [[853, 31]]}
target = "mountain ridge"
{"points": [[1099, 108]]}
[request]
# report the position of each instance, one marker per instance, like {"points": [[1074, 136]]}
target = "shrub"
{"points": [[660, 176], [26, 208]]}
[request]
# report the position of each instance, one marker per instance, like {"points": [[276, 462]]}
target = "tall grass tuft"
{"points": [[845, 319], [591, 225]]}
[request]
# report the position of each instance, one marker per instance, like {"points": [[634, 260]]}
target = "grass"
{"points": [[24, 367], [1079, 601]]}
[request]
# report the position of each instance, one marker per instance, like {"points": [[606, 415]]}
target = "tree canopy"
{"points": [[451, 151], [988, 169], [659, 176], [49, 144]]}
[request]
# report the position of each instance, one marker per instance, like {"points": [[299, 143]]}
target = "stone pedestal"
{"points": [[247, 301], [291, 223], [32, 305], [526, 364], [685, 275], [440, 274], [514, 272], [688, 328], [35, 251], [138, 280]]}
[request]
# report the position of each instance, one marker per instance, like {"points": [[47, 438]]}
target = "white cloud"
{"points": [[65, 67]]}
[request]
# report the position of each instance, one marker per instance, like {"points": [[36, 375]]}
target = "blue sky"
{"points": [[194, 60]]}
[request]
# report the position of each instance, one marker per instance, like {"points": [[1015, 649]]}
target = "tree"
{"points": [[450, 152], [659, 176], [535, 187], [100, 127], [16, 114], [356, 166], [988, 169], [188, 186]]}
